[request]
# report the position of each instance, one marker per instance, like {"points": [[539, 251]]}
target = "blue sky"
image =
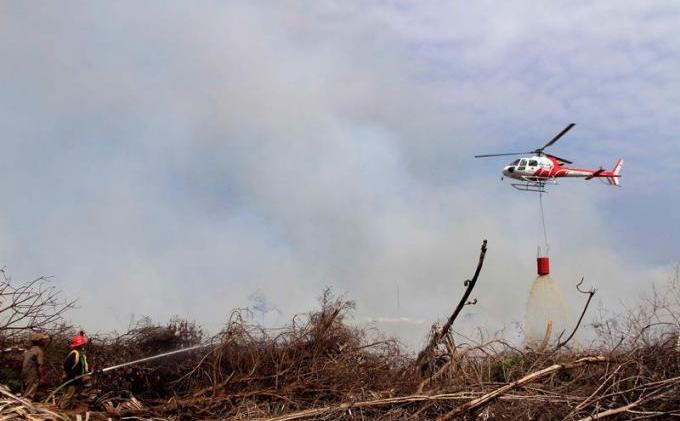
{"points": [[174, 158]]}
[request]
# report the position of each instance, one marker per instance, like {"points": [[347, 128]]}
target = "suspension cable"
{"points": [[545, 231]]}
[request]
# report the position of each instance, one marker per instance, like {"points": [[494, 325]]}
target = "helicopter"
{"points": [[540, 168]]}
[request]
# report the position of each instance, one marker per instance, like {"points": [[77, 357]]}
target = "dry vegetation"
{"points": [[321, 367]]}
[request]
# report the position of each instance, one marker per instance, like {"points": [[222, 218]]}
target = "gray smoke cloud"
{"points": [[174, 158]]}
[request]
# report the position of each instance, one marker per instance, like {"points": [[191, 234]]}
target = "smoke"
{"points": [[173, 160]]}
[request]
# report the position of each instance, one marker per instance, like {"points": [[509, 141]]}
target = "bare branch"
{"points": [[426, 353], [31, 305], [590, 293]]}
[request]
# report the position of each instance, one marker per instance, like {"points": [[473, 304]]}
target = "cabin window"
{"points": [[522, 162], [533, 163]]}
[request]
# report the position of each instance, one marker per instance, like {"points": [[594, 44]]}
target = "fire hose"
{"points": [[126, 364]]}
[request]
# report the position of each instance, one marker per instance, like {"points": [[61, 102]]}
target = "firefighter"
{"points": [[75, 369], [33, 367]]}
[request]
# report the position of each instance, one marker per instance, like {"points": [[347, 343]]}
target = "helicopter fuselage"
{"points": [[539, 168]]}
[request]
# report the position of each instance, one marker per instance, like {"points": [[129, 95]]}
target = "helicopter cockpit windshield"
{"points": [[522, 164]]}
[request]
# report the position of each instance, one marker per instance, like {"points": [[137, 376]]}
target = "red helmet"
{"points": [[78, 340]]}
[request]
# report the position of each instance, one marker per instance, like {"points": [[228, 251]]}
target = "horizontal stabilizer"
{"points": [[595, 174]]}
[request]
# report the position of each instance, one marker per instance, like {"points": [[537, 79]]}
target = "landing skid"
{"points": [[535, 187], [533, 184]]}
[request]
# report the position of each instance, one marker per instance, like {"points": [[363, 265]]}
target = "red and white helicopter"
{"points": [[540, 168]]}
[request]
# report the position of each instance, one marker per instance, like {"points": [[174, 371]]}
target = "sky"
{"points": [[188, 158]]}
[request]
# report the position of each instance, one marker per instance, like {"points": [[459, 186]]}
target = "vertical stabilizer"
{"points": [[616, 174]]}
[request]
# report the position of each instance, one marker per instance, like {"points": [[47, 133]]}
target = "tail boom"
{"points": [[612, 177]]}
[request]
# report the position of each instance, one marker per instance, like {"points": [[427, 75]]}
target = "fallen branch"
{"points": [[610, 412], [327, 410], [586, 401], [532, 377]]}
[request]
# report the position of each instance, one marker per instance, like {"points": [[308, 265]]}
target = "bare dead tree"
{"points": [[426, 353], [30, 305]]}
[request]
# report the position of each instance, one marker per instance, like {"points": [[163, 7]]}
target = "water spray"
{"points": [[126, 364], [154, 357]]}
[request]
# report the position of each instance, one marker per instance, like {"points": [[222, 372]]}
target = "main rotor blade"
{"points": [[557, 137], [501, 154], [566, 161]]}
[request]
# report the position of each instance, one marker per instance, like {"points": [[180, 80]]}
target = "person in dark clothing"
{"points": [[75, 369], [33, 367]]}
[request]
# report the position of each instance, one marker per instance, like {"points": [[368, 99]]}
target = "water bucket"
{"points": [[543, 266]]}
